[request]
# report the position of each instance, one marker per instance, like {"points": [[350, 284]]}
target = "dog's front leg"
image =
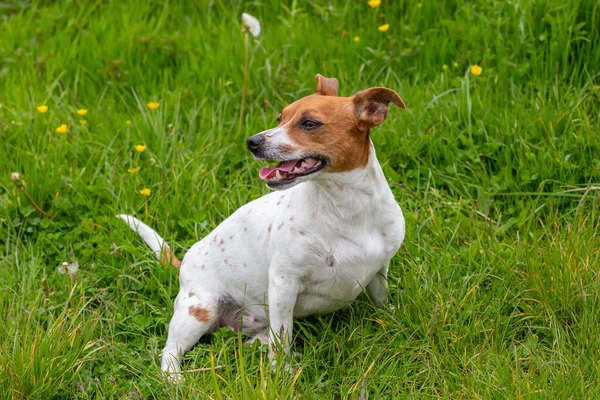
{"points": [[378, 287], [283, 292]]}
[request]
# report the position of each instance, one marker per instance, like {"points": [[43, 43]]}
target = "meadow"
{"points": [[495, 162]]}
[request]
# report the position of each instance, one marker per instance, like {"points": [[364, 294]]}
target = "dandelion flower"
{"points": [[128, 122], [82, 111], [384, 28], [66, 268], [250, 24], [476, 70], [145, 192], [139, 148], [419, 5], [42, 109], [374, 3], [63, 268], [83, 122], [153, 105], [62, 129], [356, 39], [134, 170], [445, 67]]}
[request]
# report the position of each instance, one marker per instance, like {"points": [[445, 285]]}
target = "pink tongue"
{"points": [[266, 172]]}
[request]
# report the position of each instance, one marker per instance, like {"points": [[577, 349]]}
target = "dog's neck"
{"points": [[350, 193]]}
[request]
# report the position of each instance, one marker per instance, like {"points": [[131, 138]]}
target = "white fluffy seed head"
{"points": [[251, 24]]}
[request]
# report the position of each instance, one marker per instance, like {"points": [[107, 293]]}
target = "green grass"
{"points": [[495, 291]]}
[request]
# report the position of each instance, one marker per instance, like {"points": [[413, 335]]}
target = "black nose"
{"points": [[254, 142]]}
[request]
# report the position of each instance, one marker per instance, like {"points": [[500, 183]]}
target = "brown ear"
{"points": [[371, 106], [326, 86]]}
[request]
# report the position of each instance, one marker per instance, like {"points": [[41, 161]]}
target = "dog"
{"points": [[324, 235]]}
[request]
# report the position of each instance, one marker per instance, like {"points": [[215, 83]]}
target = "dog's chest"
{"points": [[345, 258]]}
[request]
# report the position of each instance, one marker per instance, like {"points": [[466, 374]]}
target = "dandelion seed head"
{"points": [[251, 24]]}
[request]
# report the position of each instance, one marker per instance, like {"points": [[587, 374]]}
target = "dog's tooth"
{"points": [[277, 175]]}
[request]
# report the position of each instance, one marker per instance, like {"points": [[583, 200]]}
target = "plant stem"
{"points": [[246, 40]]}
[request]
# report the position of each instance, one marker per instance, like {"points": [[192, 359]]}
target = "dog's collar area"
{"points": [[289, 170]]}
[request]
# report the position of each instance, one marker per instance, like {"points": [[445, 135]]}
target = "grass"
{"points": [[495, 293]]}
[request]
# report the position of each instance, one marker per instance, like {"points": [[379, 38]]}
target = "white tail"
{"points": [[161, 249]]}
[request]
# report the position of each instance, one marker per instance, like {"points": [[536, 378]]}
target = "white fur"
{"points": [[311, 249], [150, 236]]}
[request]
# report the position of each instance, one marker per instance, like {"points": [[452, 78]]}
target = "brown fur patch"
{"points": [[270, 227], [201, 314], [191, 294], [168, 258]]}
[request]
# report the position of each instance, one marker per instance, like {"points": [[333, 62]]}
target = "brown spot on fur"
{"points": [[191, 294], [223, 249], [292, 218], [201, 314], [221, 242], [280, 225], [302, 233], [225, 261], [384, 234], [278, 203], [168, 258], [270, 226], [203, 267]]}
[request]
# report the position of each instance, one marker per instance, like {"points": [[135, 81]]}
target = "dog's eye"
{"points": [[279, 119], [308, 124]]}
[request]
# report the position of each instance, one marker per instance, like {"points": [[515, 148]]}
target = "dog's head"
{"points": [[321, 133]]}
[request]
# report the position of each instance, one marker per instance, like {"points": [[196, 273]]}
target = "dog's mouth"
{"points": [[287, 171]]}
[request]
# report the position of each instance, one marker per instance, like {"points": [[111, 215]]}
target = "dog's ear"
{"points": [[371, 106], [326, 86]]}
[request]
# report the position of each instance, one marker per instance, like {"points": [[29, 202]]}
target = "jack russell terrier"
{"points": [[327, 233]]}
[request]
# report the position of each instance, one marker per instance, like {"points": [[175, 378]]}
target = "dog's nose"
{"points": [[254, 142]]}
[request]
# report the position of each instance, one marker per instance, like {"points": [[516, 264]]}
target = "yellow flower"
{"points": [[455, 64], [374, 3], [140, 147], [62, 128], [83, 122], [153, 105], [145, 192], [134, 170], [419, 5], [43, 108], [384, 28], [445, 67], [356, 39], [476, 70], [82, 111], [128, 122]]}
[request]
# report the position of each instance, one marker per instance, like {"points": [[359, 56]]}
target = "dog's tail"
{"points": [[161, 249]]}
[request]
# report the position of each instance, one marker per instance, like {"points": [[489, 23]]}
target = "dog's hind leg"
{"points": [[195, 315]]}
